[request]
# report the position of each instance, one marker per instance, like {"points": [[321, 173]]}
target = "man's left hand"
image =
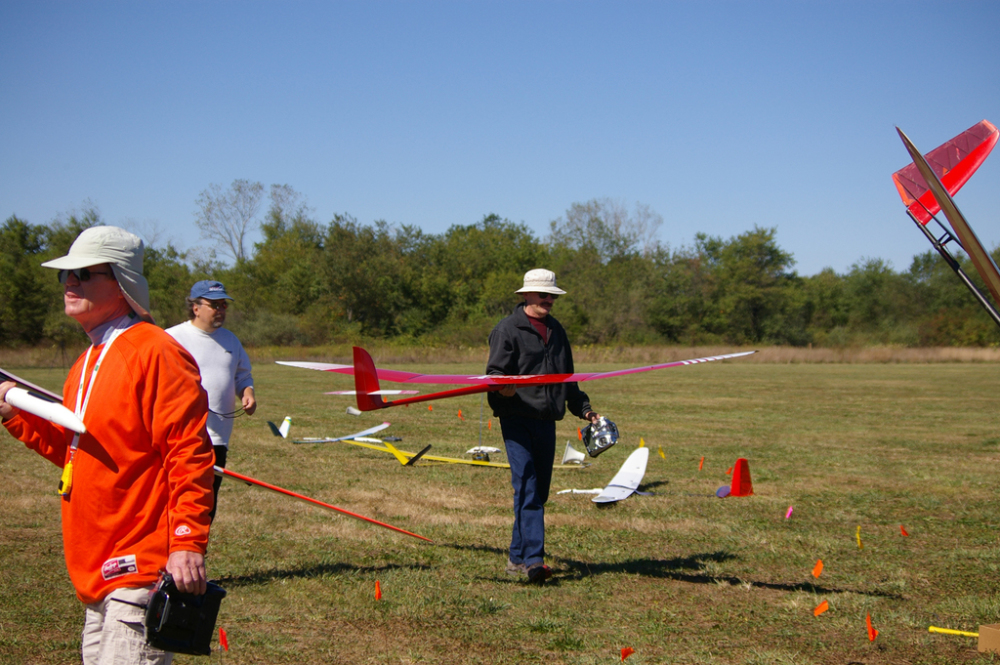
{"points": [[248, 401], [188, 571]]}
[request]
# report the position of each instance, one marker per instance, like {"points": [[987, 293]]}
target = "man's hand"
{"points": [[6, 410], [508, 390], [592, 416], [188, 571], [248, 401]]}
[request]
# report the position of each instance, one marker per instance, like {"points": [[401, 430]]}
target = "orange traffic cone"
{"points": [[741, 485]]}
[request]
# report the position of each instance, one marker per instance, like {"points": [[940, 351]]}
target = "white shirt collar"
{"points": [[102, 333]]}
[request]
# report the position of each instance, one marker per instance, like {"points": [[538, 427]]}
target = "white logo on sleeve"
{"points": [[118, 566], [182, 530]]}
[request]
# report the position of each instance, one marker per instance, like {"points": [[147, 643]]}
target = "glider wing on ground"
{"points": [[368, 391], [628, 478]]}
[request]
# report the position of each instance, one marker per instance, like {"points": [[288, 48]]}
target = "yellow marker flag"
{"points": [[642, 442], [860, 546], [661, 453]]}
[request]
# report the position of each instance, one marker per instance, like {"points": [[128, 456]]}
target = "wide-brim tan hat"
{"points": [[122, 250], [540, 280]]}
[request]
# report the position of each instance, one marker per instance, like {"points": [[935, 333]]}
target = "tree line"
{"points": [[308, 283]]}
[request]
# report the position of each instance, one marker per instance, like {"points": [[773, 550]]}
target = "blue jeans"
{"points": [[531, 450]]}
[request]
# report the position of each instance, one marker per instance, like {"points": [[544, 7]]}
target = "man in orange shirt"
{"points": [[137, 487]]}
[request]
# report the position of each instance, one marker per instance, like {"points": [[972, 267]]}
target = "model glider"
{"points": [[624, 484], [405, 458], [370, 430], [55, 412], [924, 191], [369, 393], [628, 478], [219, 471]]}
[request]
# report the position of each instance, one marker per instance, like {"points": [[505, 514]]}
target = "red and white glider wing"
{"points": [[368, 390], [500, 379]]}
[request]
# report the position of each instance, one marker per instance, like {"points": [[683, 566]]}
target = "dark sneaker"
{"points": [[538, 573], [516, 568]]}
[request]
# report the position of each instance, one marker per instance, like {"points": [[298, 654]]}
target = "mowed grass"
{"points": [[680, 576]]}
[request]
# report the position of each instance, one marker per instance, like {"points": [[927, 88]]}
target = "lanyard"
{"points": [[66, 482]]}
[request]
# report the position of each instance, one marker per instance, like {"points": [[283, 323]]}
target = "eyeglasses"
{"points": [[215, 304], [82, 274]]}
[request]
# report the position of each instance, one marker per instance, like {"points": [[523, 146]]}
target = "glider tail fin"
{"points": [[366, 381], [283, 429]]}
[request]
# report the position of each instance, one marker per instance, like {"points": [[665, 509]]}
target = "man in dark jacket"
{"points": [[530, 341]]}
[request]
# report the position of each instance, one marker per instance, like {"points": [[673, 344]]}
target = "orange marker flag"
{"points": [[701, 463], [822, 607], [579, 434], [489, 425], [818, 568], [223, 640], [378, 591], [730, 471], [872, 633], [902, 530], [626, 652], [460, 416], [430, 407]]}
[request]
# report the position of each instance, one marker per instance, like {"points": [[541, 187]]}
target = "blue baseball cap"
{"points": [[209, 290]]}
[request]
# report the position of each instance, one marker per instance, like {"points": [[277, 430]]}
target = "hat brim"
{"points": [[74, 262], [555, 290]]}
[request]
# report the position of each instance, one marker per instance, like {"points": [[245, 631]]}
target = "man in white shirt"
{"points": [[224, 365]]}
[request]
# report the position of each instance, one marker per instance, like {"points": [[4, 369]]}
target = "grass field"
{"points": [[680, 576]]}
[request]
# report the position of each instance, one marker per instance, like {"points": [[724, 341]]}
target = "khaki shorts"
{"points": [[113, 632]]}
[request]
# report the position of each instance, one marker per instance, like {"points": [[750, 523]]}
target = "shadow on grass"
{"points": [[688, 569], [675, 569], [320, 570]]}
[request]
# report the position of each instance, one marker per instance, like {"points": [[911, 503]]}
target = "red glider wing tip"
{"points": [[954, 162]]}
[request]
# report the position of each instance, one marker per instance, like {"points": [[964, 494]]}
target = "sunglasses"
{"points": [[215, 304], [82, 274], [546, 296]]}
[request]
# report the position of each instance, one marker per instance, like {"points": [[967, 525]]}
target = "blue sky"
{"points": [[718, 115]]}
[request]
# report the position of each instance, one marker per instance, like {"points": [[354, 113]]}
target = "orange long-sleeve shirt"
{"points": [[142, 481]]}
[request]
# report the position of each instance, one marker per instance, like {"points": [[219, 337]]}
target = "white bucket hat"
{"points": [[540, 280], [122, 251]]}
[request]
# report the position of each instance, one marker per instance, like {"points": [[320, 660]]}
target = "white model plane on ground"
{"points": [[625, 483]]}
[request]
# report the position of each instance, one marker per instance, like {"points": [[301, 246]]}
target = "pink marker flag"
{"points": [[789, 513]]}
